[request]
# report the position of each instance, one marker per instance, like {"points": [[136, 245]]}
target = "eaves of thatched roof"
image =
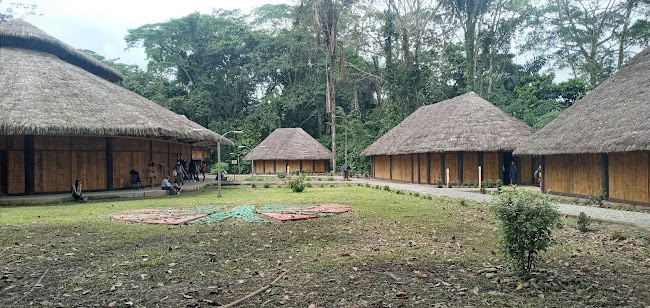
{"points": [[463, 123], [49, 88], [289, 144], [613, 117]]}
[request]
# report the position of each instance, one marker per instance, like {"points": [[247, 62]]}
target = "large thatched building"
{"points": [[601, 144], [64, 117], [459, 134], [292, 148]]}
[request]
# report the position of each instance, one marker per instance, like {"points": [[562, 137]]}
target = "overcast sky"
{"points": [[102, 25]]}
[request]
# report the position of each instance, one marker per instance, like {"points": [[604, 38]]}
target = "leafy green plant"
{"points": [[251, 179], [487, 183], [462, 203], [386, 188], [439, 182], [499, 186], [594, 200], [297, 184], [267, 185], [525, 223], [330, 178], [308, 185], [583, 222], [416, 194], [253, 185], [398, 192], [332, 185], [367, 185], [459, 183], [281, 176], [449, 185], [482, 190], [320, 179]]}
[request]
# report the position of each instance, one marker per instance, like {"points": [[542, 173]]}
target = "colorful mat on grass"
{"points": [[246, 213]]}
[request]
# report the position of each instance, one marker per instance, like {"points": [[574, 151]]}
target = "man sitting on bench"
{"points": [[167, 185]]}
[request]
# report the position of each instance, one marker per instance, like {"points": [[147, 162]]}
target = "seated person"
{"points": [[76, 191], [224, 175], [167, 185]]}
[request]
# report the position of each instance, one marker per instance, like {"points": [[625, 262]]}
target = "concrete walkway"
{"points": [[602, 214]]}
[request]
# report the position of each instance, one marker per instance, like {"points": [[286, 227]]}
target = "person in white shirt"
{"points": [[167, 185]]}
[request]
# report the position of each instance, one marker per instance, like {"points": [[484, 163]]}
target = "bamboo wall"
{"points": [[402, 167], [435, 167], [576, 174], [200, 154], [59, 160], [451, 163], [526, 169], [309, 166], [382, 170], [470, 167], [491, 166], [423, 167], [629, 176]]}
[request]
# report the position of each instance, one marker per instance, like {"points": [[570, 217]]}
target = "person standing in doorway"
{"points": [[512, 173], [151, 173], [179, 173]]}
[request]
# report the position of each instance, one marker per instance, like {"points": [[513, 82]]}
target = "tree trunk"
{"points": [[623, 40], [356, 96], [469, 51]]}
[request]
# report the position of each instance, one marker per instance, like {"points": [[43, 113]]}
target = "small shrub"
{"points": [[251, 179], [267, 185], [321, 185], [367, 185], [398, 192], [377, 187], [594, 200], [297, 184], [482, 190], [618, 235], [308, 185], [332, 185], [439, 182], [525, 223], [459, 183], [449, 185], [320, 179], [583, 222], [330, 178], [429, 197], [253, 185], [307, 179], [499, 186], [462, 203], [416, 194], [281, 176], [386, 188], [476, 183]]}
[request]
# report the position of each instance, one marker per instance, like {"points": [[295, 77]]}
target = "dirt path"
{"points": [[602, 214]]}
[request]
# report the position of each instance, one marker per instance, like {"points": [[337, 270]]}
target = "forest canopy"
{"points": [[347, 71]]}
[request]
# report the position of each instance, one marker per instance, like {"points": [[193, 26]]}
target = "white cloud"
{"points": [[102, 25]]}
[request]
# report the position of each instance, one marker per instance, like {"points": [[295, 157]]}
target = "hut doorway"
{"points": [[508, 158]]}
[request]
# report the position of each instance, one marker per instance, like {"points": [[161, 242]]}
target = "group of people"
{"points": [[512, 174]]}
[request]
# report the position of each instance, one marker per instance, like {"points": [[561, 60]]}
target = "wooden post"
{"points": [[543, 185], [460, 166], [390, 166], [429, 168], [28, 150], [442, 166], [4, 169], [419, 174], [109, 162], [480, 173], [412, 167], [286, 167], [480, 165], [604, 175], [501, 167]]}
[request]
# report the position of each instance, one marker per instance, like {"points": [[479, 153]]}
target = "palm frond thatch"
{"points": [[289, 144], [613, 117], [463, 123], [42, 93]]}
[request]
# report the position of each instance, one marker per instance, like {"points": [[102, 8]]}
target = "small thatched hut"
{"points": [[601, 144], [459, 134], [64, 117], [290, 149]]}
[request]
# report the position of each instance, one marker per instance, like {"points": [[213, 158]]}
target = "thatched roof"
{"points": [[289, 144], [463, 123], [49, 88], [613, 117]]}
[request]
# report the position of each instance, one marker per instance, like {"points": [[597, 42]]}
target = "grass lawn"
{"points": [[392, 250]]}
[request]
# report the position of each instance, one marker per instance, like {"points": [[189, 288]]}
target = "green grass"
{"points": [[345, 257]]}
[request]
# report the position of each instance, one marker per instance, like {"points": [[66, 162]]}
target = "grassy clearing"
{"points": [[391, 250]]}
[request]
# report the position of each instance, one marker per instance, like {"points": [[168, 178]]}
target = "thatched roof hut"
{"points": [[49, 88], [614, 117], [463, 123], [289, 144]]}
